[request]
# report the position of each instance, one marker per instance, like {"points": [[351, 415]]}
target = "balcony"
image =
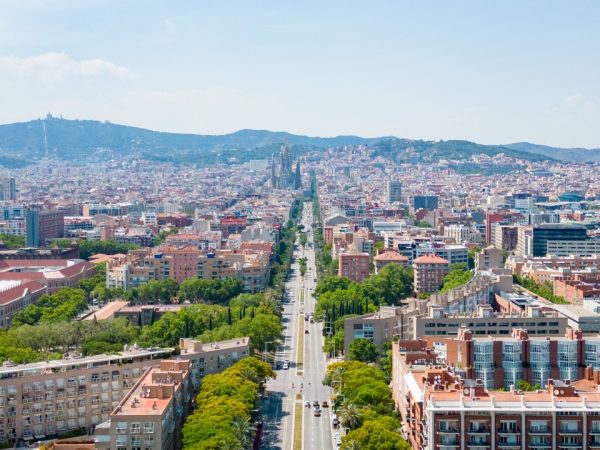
{"points": [[539, 430], [509, 446], [570, 445], [479, 430], [573, 431], [594, 444]]}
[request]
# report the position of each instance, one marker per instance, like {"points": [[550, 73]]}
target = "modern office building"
{"points": [[44, 226], [534, 240], [425, 202], [394, 191], [8, 189]]}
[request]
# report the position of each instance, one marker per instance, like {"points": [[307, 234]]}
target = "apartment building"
{"points": [[212, 357], [441, 410], [429, 273], [400, 321], [389, 257], [488, 258], [504, 237], [152, 413], [500, 362], [53, 397], [354, 266], [561, 248], [485, 321]]}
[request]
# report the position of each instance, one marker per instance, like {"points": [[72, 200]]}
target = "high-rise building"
{"points": [[8, 189], [394, 191], [429, 273], [43, 226], [425, 202]]}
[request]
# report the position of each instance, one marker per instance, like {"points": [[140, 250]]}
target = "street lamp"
{"points": [[265, 352]]}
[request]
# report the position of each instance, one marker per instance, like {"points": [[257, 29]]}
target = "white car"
{"points": [[286, 366]]}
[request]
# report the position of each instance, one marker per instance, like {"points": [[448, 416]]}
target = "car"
{"points": [[325, 404], [317, 412], [307, 404], [312, 320], [286, 366], [306, 332], [316, 404]]}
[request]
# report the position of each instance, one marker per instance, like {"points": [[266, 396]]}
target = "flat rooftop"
{"points": [[107, 311], [77, 362]]}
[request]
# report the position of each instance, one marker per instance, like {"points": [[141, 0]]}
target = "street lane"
{"points": [[280, 399]]}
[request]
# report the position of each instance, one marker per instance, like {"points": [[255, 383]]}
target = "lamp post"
{"points": [[265, 352]]}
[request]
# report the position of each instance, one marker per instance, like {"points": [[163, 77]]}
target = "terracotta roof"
{"points": [[430, 259], [17, 292], [390, 256]]}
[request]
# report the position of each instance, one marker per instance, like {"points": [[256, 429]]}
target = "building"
{"points": [[44, 226], [53, 274], [488, 258], [461, 233], [454, 254], [425, 202], [16, 295], [354, 266], [562, 248], [534, 240], [394, 191], [8, 189], [282, 175], [504, 237], [389, 257], [442, 410], [53, 397], [400, 321], [501, 362], [213, 357], [429, 273], [152, 413], [485, 321]]}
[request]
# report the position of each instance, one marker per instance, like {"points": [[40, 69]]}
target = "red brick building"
{"points": [[429, 273], [354, 266]]}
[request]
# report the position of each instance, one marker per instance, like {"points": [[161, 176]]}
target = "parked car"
{"points": [[286, 366]]}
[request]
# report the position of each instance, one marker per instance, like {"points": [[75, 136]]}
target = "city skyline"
{"points": [[488, 74]]}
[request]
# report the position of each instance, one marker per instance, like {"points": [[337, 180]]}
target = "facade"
{"points": [[425, 202], [441, 410], [489, 258], [504, 237], [454, 254], [389, 257], [152, 413], [17, 295], [8, 189], [53, 397], [354, 266], [500, 362], [429, 273], [534, 240], [44, 226], [394, 191], [53, 274], [562, 248], [485, 321]]}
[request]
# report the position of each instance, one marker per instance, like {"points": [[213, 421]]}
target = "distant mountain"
{"points": [[406, 150], [564, 154], [89, 141]]}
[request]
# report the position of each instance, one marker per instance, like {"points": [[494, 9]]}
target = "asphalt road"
{"points": [[278, 404]]}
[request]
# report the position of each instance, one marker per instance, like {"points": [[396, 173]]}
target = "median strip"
{"points": [[300, 349], [298, 416]]}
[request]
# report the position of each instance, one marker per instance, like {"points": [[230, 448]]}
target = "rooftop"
{"points": [[430, 259]]}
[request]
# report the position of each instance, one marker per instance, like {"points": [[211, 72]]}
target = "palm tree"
{"points": [[352, 445], [337, 379], [243, 428], [349, 414]]}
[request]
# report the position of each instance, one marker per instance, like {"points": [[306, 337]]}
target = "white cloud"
{"points": [[580, 102], [54, 67]]}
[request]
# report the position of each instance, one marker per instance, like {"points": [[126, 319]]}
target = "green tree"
{"points": [[362, 350], [378, 434], [89, 248], [12, 241]]}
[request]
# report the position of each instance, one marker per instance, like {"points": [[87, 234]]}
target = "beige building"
{"points": [[152, 413], [488, 258], [53, 397], [389, 257]]}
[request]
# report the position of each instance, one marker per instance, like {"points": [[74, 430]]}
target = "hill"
{"points": [[564, 154], [89, 141]]}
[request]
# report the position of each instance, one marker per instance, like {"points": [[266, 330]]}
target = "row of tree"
{"points": [[63, 305], [459, 275], [544, 290], [365, 407], [225, 402]]}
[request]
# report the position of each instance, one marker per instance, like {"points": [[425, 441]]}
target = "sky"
{"points": [[492, 72]]}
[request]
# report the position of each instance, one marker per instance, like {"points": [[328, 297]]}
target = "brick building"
{"points": [[354, 266], [429, 273]]}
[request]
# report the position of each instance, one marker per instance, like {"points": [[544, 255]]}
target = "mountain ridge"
{"points": [[91, 140]]}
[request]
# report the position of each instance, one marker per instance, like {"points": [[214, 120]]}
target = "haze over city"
{"points": [[489, 72]]}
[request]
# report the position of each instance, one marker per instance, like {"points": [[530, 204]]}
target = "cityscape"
{"points": [[171, 284]]}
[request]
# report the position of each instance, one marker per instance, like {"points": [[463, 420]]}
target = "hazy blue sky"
{"points": [[488, 71]]}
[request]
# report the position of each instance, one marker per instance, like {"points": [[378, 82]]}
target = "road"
{"points": [[307, 375]]}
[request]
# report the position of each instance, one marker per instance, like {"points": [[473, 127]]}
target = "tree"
{"points": [[362, 350], [89, 248], [12, 241], [378, 434], [459, 275], [422, 224], [349, 415]]}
